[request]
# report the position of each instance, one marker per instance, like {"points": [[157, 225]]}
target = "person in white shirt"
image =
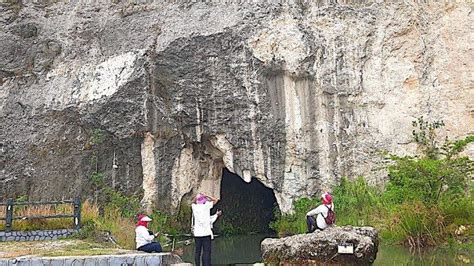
{"points": [[202, 227], [144, 238], [320, 212]]}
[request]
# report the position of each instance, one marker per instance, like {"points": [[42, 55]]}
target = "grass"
{"points": [[89, 212], [427, 201], [57, 248], [413, 222], [112, 221]]}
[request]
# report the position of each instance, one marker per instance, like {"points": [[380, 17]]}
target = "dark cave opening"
{"points": [[247, 207]]}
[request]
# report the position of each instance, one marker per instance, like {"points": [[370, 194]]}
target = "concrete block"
{"points": [[57, 262], [140, 261], [46, 262], [102, 260], [90, 262], [22, 262], [36, 262], [73, 262], [152, 260], [117, 261], [130, 260]]}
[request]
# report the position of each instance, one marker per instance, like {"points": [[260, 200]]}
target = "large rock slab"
{"points": [[322, 247]]}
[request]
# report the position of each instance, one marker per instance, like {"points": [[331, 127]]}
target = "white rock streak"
{"points": [[108, 76], [222, 144], [149, 172]]}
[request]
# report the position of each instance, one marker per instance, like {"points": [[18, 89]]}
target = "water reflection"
{"points": [[397, 255], [246, 250]]}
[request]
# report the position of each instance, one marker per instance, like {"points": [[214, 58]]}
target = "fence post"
{"points": [[77, 213], [9, 217]]}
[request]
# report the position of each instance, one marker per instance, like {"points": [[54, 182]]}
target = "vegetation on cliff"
{"points": [[428, 199]]}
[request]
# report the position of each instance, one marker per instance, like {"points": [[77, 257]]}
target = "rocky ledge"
{"points": [[336, 245]]}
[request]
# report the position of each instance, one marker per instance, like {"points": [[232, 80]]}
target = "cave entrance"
{"points": [[247, 207]]}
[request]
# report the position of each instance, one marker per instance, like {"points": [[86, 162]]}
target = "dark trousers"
{"points": [[151, 247], [203, 243], [311, 223]]}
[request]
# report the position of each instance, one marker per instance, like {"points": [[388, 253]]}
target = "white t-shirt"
{"points": [[321, 211], [142, 237], [202, 219]]}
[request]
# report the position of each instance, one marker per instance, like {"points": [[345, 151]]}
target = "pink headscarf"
{"points": [[327, 198], [201, 199], [142, 221]]}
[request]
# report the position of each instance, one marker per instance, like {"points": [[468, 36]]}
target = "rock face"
{"points": [[296, 95], [322, 247]]}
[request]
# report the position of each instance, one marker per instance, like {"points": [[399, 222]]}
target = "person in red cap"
{"points": [[144, 238], [324, 214]]}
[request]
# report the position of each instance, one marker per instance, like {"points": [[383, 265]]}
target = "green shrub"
{"points": [[357, 203], [418, 225], [458, 211], [129, 206], [294, 223], [97, 179], [97, 136], [178, 224]]}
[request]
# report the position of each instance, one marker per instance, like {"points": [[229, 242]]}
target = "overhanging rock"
{"points": [[335, 245]]}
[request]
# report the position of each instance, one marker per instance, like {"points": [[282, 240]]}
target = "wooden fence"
{"points": [[10, 204]]}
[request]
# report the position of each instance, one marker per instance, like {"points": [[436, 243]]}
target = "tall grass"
{"points": [[358, 203], [88, 212], [294, 223], [412, 222], [425, 202]]}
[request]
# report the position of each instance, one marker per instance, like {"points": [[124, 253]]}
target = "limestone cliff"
{"points": [[296, 94]]}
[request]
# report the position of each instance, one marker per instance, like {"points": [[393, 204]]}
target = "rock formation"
{"points": [[294, 94], [321, 247]]}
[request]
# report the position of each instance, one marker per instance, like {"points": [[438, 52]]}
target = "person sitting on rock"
{"points": [[145, 237], [324, 214]]}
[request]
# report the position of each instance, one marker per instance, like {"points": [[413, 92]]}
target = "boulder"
{"points": [[331, 246]]}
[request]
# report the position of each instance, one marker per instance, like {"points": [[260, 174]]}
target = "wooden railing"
{"points": [[10, 204]]}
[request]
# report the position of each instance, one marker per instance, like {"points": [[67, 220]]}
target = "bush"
{"points": [[294, 223], [172, 224], [417, 224], [357, 203]]}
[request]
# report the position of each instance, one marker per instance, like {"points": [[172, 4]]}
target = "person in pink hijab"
{"points": [[322, 212], [202, 221], [144, 237]]}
